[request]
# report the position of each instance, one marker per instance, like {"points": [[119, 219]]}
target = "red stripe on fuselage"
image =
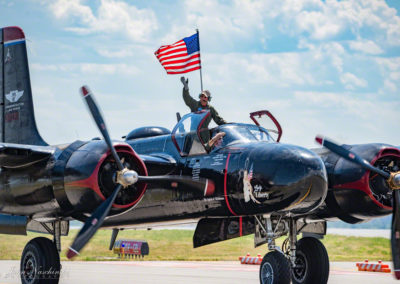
{"points": [[225, 185], [13, 33]]}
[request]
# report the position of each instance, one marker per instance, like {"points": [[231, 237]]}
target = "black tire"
{"points": [[53, 266], [40, 262], [312, 262], [275, 269]]}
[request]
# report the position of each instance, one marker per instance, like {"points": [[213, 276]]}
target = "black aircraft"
{"points": [[245, 183]]}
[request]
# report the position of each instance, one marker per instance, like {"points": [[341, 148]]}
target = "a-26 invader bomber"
{"points": [[247, 183]]}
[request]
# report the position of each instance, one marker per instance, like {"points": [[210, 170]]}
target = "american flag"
{"points": [[181, 57]]}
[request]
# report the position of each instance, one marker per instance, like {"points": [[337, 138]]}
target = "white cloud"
{"points": [[332, 51], [44, 67], [389, 64], [237, 17], [112, 17], [277, 69], [63, 9], [389, 70], [351, 81], [388, 86], [89, 68], [119, 53], [346, 117], [326, 20], [363, 106], [321, 65], [395, 76], [366, 46]]}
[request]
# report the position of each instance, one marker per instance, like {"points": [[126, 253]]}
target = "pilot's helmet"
{"points": [[206, 93]]}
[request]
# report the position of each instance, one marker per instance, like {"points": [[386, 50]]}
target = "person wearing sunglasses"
{"points": [[202, 104]]}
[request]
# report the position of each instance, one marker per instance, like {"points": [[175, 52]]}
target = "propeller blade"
{"points": [[395, 236], [92, 224], [98, 118], [349, 155]]}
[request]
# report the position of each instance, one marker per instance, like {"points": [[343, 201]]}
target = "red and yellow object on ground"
{"points": [[250, 260], [373, 267]]}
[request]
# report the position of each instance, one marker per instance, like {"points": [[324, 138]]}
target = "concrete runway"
{"points": [[181, 272]]}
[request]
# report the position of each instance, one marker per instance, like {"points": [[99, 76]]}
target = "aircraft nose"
{"points": [[287, 177]]}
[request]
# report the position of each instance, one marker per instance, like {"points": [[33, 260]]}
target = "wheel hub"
{"points": [[300, 268], [267, 274], [29, 267]]}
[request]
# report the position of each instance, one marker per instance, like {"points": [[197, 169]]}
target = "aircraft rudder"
{"points": [[18, 123]]}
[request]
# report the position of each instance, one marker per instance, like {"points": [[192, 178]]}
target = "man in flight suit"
{"points": [[203, 104]]}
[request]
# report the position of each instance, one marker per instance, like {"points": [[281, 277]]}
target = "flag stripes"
{"points": [[180, 57]]}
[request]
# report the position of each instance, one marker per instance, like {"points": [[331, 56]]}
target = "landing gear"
{"points": [[275, 269], [312, 262], [40, 262], [304, 262]]}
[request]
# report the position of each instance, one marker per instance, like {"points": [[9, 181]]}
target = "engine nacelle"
{"points": [[90, 177], [354, 194]]}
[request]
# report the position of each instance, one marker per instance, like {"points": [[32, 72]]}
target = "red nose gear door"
{"points": [[265, 119]]}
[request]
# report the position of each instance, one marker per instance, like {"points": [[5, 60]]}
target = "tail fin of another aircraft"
{"points": [[17, 120]]}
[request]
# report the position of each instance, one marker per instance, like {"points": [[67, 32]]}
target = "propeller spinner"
{"points": [[393, 181]]}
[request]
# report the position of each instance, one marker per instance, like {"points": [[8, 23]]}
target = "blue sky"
{"points": [[321, 67]]}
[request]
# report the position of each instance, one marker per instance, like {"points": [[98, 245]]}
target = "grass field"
{"points": [[177, 245]]}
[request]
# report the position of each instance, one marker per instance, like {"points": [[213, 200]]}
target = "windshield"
{"points": [[188, 136], [189, 122], [243, 133]]}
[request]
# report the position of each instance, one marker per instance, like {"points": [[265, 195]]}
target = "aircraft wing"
{"points": [[19, 156]]}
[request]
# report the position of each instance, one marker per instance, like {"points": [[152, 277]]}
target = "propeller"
{"points": [[124, 178], [393, 181]]}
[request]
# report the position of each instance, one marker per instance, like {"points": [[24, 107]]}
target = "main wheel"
{"points": [[312, 262], [40, 262], [274, 269]]}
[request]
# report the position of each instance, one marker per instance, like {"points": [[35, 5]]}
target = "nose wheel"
{"points": [[312, 262], [311, 265], [275, 269]]}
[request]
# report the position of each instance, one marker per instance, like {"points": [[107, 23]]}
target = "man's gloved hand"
{"points": [[216, 138], [185, 83]]}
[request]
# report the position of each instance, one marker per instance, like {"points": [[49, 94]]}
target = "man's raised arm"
{"points": [[189, 101]]}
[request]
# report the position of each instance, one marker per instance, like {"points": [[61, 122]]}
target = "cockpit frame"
{"points": [[184, 140], [259, 114]]}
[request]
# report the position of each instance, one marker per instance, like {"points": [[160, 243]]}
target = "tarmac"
{"points": [[207, 272]]}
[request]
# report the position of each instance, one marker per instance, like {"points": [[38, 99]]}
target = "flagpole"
{"points": [[201, 77]]}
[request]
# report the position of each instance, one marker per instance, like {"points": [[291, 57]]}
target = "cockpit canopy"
{"points": [[191, 135], [242, 133]]}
